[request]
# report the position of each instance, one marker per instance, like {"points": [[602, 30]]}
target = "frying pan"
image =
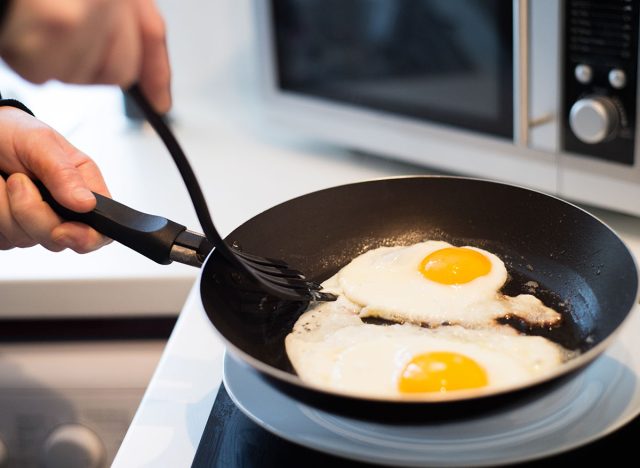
{"points": [[583, 268]]}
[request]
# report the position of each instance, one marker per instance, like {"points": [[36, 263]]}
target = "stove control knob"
{"points": [[73, 445], [594, 119]]}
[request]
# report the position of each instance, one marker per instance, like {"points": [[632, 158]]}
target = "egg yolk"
{"points": [[454, 265], [441, 371]]}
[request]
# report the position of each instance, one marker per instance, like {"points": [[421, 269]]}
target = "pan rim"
{"points": [[565, 369]]}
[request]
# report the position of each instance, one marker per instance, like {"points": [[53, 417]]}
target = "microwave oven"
{"points": [[540, 93]]}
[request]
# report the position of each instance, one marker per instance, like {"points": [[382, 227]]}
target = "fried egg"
{"points": [[331, 348], [445, 302], [434, 283]]}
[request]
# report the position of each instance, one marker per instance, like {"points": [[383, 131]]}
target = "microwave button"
{"points": [[593, 119], [617, 78], [583, 73]]}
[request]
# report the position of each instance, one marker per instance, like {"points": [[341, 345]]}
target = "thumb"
{"points": [[54, 161], [69, 189]]}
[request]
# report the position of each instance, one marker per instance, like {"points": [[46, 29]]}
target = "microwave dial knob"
{"points": [[594, 119]]}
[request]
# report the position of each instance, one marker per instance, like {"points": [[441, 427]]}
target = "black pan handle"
{"points": [[153, 236]]}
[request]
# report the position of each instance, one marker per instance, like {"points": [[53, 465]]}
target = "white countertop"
{"points": [[169, 423]]}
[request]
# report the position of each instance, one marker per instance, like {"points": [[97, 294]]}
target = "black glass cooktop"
{"points": [[232, 440]]}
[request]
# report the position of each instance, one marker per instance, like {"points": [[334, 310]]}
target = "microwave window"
{"points": [[443, 61]]}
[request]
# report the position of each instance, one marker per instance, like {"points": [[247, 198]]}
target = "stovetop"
{"points": [[231, 440]]}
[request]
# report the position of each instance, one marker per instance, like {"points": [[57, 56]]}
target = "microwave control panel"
{"points": [[600, 79]]}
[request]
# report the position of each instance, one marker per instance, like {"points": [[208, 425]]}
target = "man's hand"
{"points": [[89, 41], [29, 148]]}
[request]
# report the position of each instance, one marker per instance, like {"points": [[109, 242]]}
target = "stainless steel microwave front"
{"points": [[397, 118]]}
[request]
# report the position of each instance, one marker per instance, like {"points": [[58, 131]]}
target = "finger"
{"points": [[78, 237], [51, 159], [121, 60], [5, 244], [42, 225], [155, 73], [90, 34], [34, 216], [11, 231], [56, 40], [82, 60]]}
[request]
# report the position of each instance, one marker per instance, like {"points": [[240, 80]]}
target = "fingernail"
{"points": [[82, 194], [16, 187], [65, 241]]}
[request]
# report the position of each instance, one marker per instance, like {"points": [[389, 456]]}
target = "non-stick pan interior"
{"points": [[581, 266]]}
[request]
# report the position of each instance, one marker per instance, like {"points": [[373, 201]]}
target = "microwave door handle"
{"points": [[521, 59]]}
